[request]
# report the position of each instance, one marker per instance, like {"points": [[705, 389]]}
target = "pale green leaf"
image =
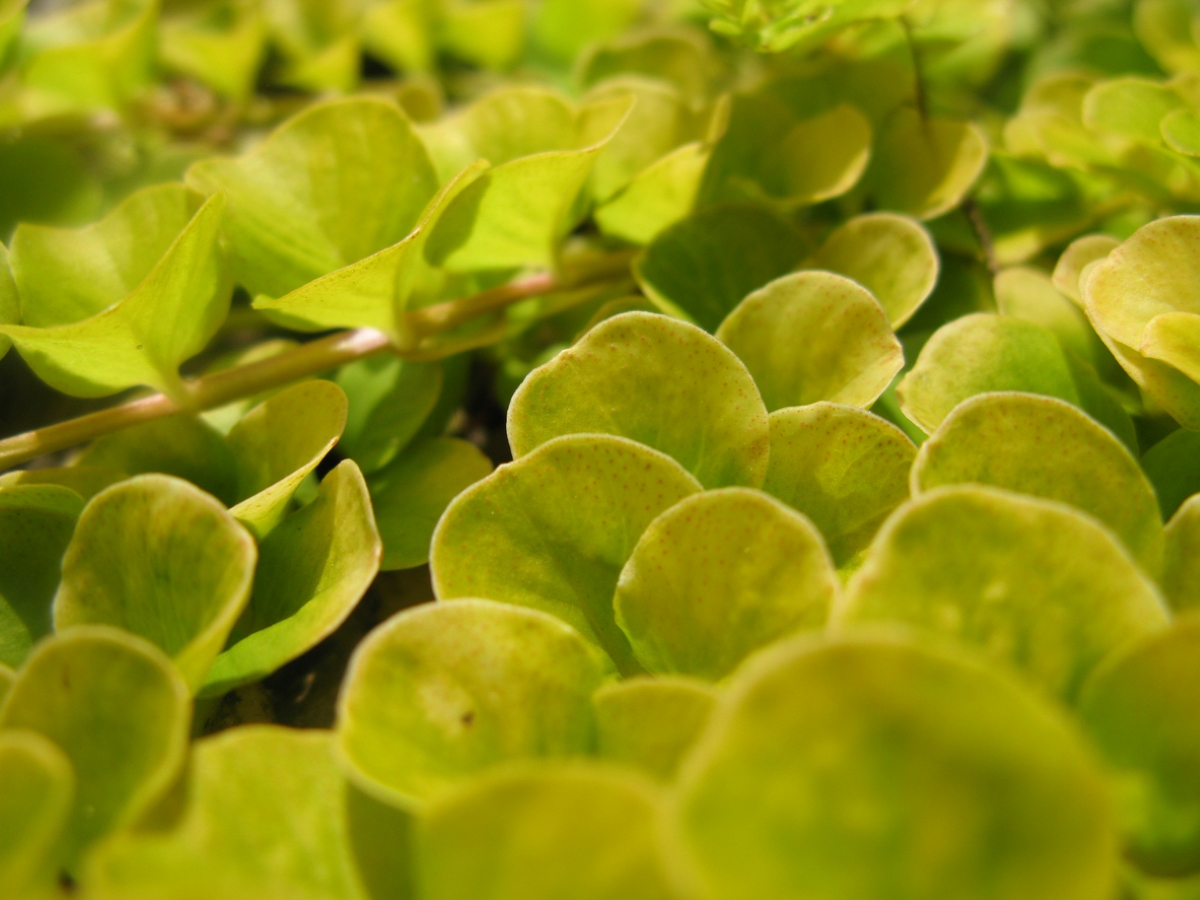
{"points": [[562, 28], [1078, 255], [682, 57], [867, 766], [1030, 584], [1174, 339], [719, 575], [1130, 108], [657, 197], [1181, 571], [627, 377], [1140, 710], [1046, 448], [703, 266], [777, 25], [389, 399], [312, 571], [86, 481], [1181, 131], [814, 336], [649, 724], [843, 467], [411, 494], [489, 34], [1165, 29], [892, 256], [334, 184], [161, 559], [118, 709], [441, 692], [36, 788], [36, 524], [587, 832], [553, 530], [175, 305], [1173, 467], [278, 443]]}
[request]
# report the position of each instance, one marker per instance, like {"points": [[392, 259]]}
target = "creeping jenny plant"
{"points": [[600, 450]]}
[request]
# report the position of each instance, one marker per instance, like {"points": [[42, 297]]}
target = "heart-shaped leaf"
{"points": [[553, 530], [389, 399], [411, 494], [925, 166], [444, 691], [312, 571], [1029, 583], [1141, 713], [719, 575], [843, 467], [36, 524], [278, 443], [160, 558], [1046, 448], [830, 767], [892, 256], [814, 336], [108, 308], [119, 710], [649, 724], [332, 185], [587, 832], [703, 266], [266, 814], [36, 788], [1181, 570], [623, 378], [1173, 467]]}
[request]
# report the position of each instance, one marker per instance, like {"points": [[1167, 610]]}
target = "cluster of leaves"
{"points": [[850, 545]]}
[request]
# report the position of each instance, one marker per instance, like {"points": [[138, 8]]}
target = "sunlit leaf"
{"points": [[562, 28], [814, 336], [778, 25], [1029, 583], [703, 266], [1164, 28], [587, 832], [650, 723], [410, 495], [1076, 258], [107, 308], [623, 378], [442, 692], [10, 303], [162, 559], [869, 767], [682, 57], [118, 709], [1173, 467], [1140, 710], [277, 444], [1131, 108], [892, 256], [1046, 448], [843, 467], [36, 524], [389, 400], [657, 197], [719, 575], [312, 571], [553, 530], [491, 34], [36, 788], [1181, 131], [1181, 571]]}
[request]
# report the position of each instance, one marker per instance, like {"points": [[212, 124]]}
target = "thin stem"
{"points": [[313, 358]]}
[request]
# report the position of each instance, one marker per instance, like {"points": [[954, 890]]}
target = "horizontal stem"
{"points": [[310, 359]]}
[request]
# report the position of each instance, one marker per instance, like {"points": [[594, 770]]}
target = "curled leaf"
{"points": [[1079, 254]]}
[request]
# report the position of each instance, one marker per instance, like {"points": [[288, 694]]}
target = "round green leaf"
{"points": [[704, 265], [1029, 583], [553, 530], [332, 185], [1181, 571], [264, 814], [585, 832], [650, 723], [120, 712], [1047, 448], [278, 443], [312, 571], [86, 481], [1130, 108], [1141, 709], [870, 767], [925, 166], [443, 691], [892, 256], [160, 558], [655, 380], [36, 787], [389, 399], [843, 467], [1173, 467], [814, 336], [36, 524], [1078, 255], [411, 494], [719, 575]]}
